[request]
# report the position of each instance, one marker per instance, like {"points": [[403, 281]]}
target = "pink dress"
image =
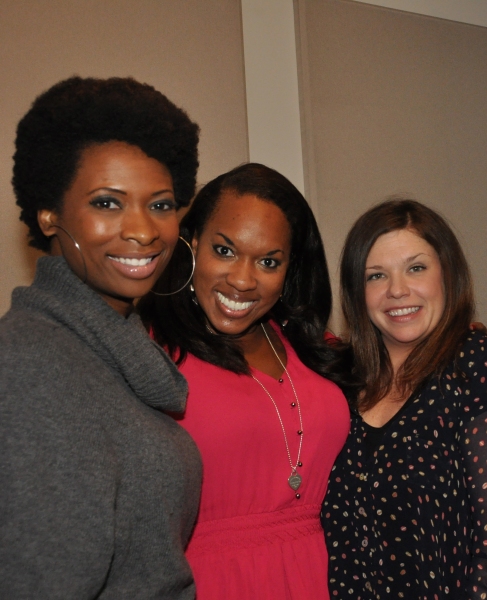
{"points": [[254, 539]]}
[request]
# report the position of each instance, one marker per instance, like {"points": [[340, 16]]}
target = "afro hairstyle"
{"points": [[79, 112]]}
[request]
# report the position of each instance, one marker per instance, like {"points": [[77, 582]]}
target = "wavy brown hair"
{"points": [[372, 365]]}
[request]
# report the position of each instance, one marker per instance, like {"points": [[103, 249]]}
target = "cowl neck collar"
{"points": [[121, 343]]}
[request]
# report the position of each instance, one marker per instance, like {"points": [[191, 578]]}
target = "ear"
{"points": [[47, 219], [194, 244]]}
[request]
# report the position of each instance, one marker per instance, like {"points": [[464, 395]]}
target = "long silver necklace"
{"points": [[295, 478]]}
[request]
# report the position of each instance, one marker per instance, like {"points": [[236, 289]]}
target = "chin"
{"points": [[231, 328]]}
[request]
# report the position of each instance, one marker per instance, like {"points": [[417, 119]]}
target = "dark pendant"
{"points": [[294, 481]]}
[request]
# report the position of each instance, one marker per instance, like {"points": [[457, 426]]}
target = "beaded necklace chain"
{"points": [[295, 478]]}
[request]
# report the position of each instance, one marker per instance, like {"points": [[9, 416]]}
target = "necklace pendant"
{"points": [[295, 480]]}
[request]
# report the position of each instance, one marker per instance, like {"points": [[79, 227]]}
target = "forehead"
{"points": [[248, 214], [404, 242], [116, 160]]}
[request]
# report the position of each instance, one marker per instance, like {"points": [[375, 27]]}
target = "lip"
{"points": [[232, 308], [135, 271]]}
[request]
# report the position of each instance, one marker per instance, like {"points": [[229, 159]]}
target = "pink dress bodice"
{"points": [[254, 539]]}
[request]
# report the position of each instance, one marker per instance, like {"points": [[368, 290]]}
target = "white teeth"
{"points": [[231, 304], [400, 312], [133, 262]]}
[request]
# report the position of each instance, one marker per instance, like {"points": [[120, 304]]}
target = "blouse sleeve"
{"points": [[473, 361]]}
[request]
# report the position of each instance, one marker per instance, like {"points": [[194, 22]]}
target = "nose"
{"points": [[241, 275], [397, 286], [139, 226]]}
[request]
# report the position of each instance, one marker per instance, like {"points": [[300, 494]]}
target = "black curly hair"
{"points": [[79, 112]]}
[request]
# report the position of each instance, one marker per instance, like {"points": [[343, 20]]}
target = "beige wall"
{"points": [[372, 134], [272, 87], [394, 103], [464, 11], [191, 50]]}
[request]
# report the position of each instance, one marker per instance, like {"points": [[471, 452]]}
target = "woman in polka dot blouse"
{"points": [[404, 514]]}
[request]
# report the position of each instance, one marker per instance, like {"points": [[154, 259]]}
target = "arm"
{"points": [[476, 478], [474, 447]]}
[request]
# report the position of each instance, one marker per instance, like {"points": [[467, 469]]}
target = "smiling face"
{"points": [[404, 290], [242, 257], [120, 209]]}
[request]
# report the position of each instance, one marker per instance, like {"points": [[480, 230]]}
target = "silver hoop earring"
{"points": [[190, 277], [77, 246]]}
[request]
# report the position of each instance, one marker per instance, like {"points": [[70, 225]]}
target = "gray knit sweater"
{"points": [[98, 487]]}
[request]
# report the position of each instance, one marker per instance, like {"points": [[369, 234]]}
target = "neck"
{"points": [[247, 340], [398, 356], [253, 340], [261, 355]]}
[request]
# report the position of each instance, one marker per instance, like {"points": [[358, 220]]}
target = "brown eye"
{"points": [[105, 203], [164, 205], [223, 250], [270, 263]]}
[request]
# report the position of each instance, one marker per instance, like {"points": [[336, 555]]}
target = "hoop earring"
{"points": [[77, 246], [190, 277]]}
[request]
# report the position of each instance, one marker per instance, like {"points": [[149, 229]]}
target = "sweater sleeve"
{"points": [[473, 361]]}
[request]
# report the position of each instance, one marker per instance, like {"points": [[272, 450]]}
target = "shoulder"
{"points": [[472, 356], [465, 382], [23, 333], [198, 370], [35, 337], [42, 363]]}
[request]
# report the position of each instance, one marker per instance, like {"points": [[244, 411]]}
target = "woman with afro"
{"points": [[100, 487]]}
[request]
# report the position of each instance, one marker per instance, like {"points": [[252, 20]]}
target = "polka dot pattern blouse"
{"points": [[410, 520]]}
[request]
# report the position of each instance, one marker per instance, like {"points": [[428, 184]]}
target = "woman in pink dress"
{"points": [[263, 404]]}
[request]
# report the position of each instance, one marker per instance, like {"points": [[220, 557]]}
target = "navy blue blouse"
{"points": [[409, 520]]}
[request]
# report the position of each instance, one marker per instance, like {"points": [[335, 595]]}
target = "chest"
{"points": [[420, 448]]}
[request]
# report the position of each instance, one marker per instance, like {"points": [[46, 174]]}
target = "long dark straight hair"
{"points": [[179, 324], [372, 366]]}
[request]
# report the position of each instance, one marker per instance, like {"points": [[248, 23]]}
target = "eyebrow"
{"points": [[230, 243], [117, 191], [408, 260]]}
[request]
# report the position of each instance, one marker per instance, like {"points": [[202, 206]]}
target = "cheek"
{"points": [[373, 305], [274, 289], [204, 274], [170, 230], [102, 229], [90, 229], [434, 290], [370, 299], [438, 296], [210, 268]]}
